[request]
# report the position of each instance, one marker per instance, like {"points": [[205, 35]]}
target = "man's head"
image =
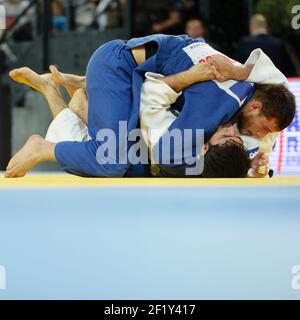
{"points": [[272, 108], [225, 155], [195, 28], [258, 24], [57, 8]]}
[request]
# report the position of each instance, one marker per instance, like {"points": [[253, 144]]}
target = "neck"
{"points": [[259, 31]]}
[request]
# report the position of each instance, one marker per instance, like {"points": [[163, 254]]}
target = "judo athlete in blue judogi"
{"points": [[114, 82]]}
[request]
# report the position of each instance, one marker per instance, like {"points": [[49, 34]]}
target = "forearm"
{"points": [[227, 69], [243, 72], [183, 80], [177, 82]]}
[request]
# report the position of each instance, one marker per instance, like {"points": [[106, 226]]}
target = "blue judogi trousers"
{"points": [[109, 90]]}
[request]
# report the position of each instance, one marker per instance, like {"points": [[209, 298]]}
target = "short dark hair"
{"points": [[196, 19], [277, 102], [229, 160]]}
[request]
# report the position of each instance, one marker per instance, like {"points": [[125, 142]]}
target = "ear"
{"points": [[205, 148], [253, 105]]}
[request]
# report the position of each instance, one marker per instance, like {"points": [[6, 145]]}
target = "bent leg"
{"points": [[111, 102], [38, 149], [43, 84], [109, 89], [79, 105]]}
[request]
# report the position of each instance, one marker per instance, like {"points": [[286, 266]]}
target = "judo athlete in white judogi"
{"points": [[156, 111]]}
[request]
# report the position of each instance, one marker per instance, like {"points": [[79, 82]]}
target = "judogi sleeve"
{"points": [[264, 71], [155, 115]]}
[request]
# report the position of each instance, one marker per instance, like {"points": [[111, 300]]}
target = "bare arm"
{"points": [[197, 73], [219, 67], [225, 69]]}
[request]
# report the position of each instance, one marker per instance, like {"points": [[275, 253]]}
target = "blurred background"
{"points": [[65, 33]]}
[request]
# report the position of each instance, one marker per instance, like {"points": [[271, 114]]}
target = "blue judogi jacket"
{"points": [[203, 106]]}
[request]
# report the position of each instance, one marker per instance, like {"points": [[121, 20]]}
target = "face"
{"points": [[223, 135], [253, 123], [251, 29], [56, 9], [226, 134], [195, 29]]}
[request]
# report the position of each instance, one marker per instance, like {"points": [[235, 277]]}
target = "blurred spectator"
{"points": [[164, 16], [59, 20], [24, 29], [187, 10], [110, 14], [84, 13], [195, 28], [154, 16], [13, 9], [272, 46]]}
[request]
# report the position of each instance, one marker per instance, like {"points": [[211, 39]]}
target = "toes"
{"points": [[14, 73], [14, 173], [9, 166], [53, 68], [25, 70], [54, 71], [55, 76], [8, 174], [17, 74], [21, 71]]}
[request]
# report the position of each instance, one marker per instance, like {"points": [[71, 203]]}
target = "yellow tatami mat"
{"points": [[64, 180]]}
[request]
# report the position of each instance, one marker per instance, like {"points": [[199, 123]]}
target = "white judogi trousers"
{"points": [[67, 126]]}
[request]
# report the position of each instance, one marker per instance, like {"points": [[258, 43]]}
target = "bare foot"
{"points": [[25, 159], [69, 81], [30, 78]]}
